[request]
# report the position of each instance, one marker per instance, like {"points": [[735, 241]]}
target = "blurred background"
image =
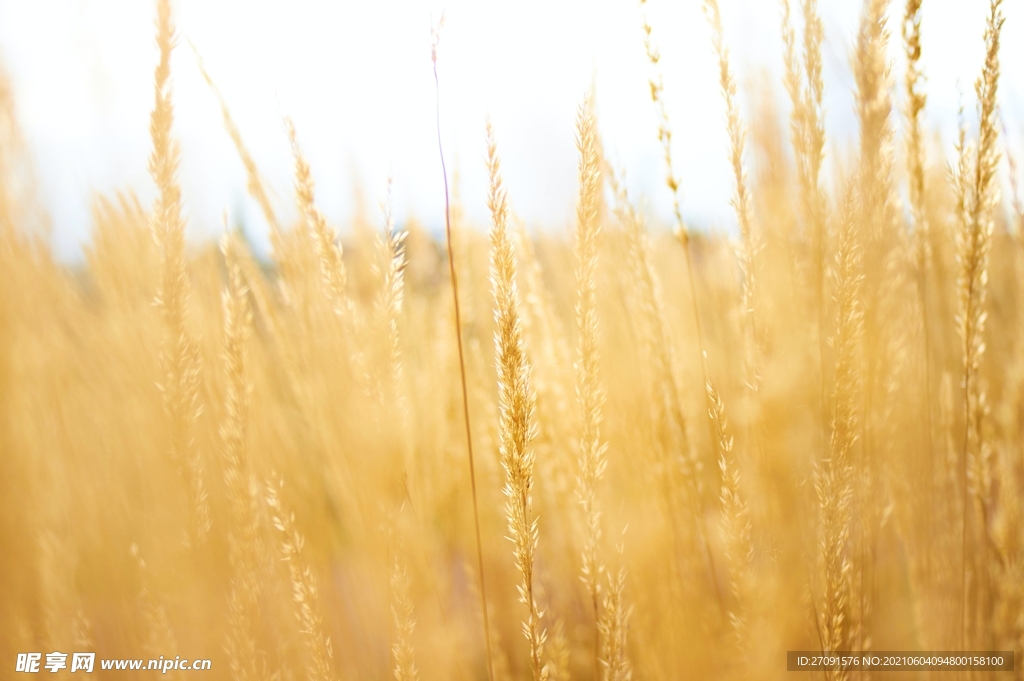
{"points": [[356, 78]]}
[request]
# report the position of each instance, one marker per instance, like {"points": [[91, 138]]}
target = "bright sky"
{"points": [[356, 79]]}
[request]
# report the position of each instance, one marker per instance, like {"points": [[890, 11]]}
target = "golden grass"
{"points": [[267, 468], [181, 358], [516, 400]]}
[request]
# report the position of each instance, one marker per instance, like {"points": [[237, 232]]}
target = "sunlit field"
{"points": [[630, 447]]}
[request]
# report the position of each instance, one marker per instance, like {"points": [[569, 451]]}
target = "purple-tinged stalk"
{"points": [[436, 37]]}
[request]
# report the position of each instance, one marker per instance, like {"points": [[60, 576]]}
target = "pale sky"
{"points": [[356, 78]]}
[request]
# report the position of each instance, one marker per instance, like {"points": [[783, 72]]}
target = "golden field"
{"points": [[624, 451]]}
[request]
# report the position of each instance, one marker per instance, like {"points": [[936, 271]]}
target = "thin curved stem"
{"points": [[462, 375]]}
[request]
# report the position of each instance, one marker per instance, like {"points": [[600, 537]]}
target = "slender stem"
{"points": [[462, 375], [597, 636], [929, 443], [963, 511], [969, 331], [704, 369]]}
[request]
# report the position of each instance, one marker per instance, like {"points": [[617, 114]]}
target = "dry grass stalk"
{"points": [[614, 625], [257, 190], [871, 70], [552, 353], [977, 194], [64, 620], [254, 181], [245, 541], [325, 238], [435, 39], [805, 86], [666, 409], [915, 160], [590, 394], [234, 430], [320, 657], [388, 304], [915, 152], [159, 635], [750, 242], [884, 296], [1015, 198], [181, 359], [682, 233], [560, 653], [1008, 570], [806, 89], [736, 526], [671, 440], [256, 187], [833, 480], [657, 85], [947, 557], [516, 428], [404, 623], [389, 386]]}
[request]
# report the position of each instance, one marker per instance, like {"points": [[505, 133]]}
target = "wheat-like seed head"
{"points": [[977, 194], [657, 87], [404, 623], [590, 394], [739, 551], [245, 543], [614, 626], [182, 362], [320, 664], [589, 391], [749, 239], [388, 305], [914, 110], [516, 427], [254, 181], [833, 476], [325, 238]]}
